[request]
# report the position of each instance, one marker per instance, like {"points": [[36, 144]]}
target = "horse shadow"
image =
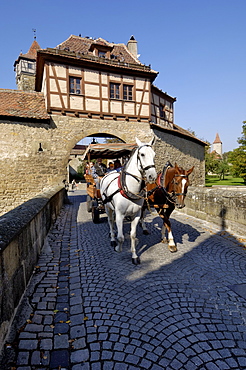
{"points": [[180, 231]]}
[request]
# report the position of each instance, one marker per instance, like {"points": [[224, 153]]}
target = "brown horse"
{"points": [[168, 192]]}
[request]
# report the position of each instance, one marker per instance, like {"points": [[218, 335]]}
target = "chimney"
{"points": [[132, 46]]}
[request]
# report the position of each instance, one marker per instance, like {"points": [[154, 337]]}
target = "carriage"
{"points": [[121, 195], [106, 151]]}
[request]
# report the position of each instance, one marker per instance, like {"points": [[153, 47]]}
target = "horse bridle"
{"points": [[138, 157], [175, 183]]}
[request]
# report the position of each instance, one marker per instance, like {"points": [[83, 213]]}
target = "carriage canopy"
{"points": [[108, 150]]}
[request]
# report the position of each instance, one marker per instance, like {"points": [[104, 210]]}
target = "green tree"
{"points": [[211, 161], [222, 168], [237, 157]]}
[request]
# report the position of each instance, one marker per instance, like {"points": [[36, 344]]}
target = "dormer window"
{"points": [[101, 50], [101, 54]]}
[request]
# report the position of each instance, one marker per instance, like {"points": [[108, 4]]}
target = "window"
{"points": [[75, 85], [29, 65], [114, 91], [101, 54], [127, 92], [162, 111]]}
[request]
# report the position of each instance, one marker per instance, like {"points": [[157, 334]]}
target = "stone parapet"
{"points": [[22, 235], [224, 206]]}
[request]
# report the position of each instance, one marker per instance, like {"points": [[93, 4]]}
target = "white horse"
{"points": [[122, 193]]}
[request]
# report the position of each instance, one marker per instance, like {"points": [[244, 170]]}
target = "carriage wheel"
{"points": [[88, 202], [95, 212]]}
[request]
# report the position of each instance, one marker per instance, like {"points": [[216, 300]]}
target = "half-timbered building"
{"points": [[97, 79]]}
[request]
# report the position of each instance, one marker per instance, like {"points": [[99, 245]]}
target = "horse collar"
{"points": [[123, 188]]}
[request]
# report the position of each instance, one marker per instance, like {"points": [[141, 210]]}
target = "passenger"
{"points": [[98, 171], [117, 165], [110, 167], [100, 167]]}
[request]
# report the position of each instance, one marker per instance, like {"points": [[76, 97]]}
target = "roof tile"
{"points": [[15, 103]]}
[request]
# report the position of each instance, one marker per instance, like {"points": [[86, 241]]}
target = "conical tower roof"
{"points": [[32, 52], [217, 139]]}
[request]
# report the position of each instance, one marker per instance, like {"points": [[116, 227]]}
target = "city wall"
{"points": [[22, 236], [35, 156], [223, 206]]}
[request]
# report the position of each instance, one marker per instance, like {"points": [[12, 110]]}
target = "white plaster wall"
{"points": [[76, 102], [129, 108], [55, 101], [104, 78], [92, 105], [105, 92], [116, 107], [74, 71], [91, 76], [92, 90]]}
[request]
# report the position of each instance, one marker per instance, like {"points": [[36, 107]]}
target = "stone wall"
{"points": [[34, 156], [22, 234], [224, 206], [185, 153]]}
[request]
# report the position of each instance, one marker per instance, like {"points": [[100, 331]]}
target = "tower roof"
{"points": [[217, 139], [32, 52]]}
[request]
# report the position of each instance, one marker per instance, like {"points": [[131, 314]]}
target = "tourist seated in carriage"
{"points": [[98, 171], [110, 167], [117, 165]]}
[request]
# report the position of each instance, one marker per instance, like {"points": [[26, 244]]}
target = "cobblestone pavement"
{"points": [[88, 307]]}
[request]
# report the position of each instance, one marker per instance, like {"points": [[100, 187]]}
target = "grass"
{"points": [[228, 181]]}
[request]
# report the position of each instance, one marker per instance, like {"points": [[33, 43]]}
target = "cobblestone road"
{"points": [[88, 307]]}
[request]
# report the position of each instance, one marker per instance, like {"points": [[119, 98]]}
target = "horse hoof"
{"points": [[113, 244], [145, 232], [136, 261], [172, 248]]}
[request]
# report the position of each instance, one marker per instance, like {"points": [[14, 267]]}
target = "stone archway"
{"points": [[34, 156]]}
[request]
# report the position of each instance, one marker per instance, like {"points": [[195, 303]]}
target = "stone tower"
{"points": [[217, 145], [25, 68]]}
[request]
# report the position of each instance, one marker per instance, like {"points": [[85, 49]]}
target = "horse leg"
{"points": [[120, 235], [134, 223], [142, 223], [110, 214], [167, 226]]}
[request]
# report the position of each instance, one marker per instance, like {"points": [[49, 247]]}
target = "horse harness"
{"points": [[122, 188], [170, 196]]}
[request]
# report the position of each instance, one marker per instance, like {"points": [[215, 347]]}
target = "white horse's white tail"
{"points": [[121, 193]]}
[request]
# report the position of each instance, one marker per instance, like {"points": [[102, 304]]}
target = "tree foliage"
{"points": [[237, 157]]}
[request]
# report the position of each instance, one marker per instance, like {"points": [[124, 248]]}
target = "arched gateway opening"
{"points": [[76, 165]]}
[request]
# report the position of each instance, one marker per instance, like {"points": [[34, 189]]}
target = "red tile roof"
{"points": [[83, 45], [32, 52], [21, 104]]}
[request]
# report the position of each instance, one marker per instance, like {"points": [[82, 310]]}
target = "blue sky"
{"points": [[197, 46]]}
